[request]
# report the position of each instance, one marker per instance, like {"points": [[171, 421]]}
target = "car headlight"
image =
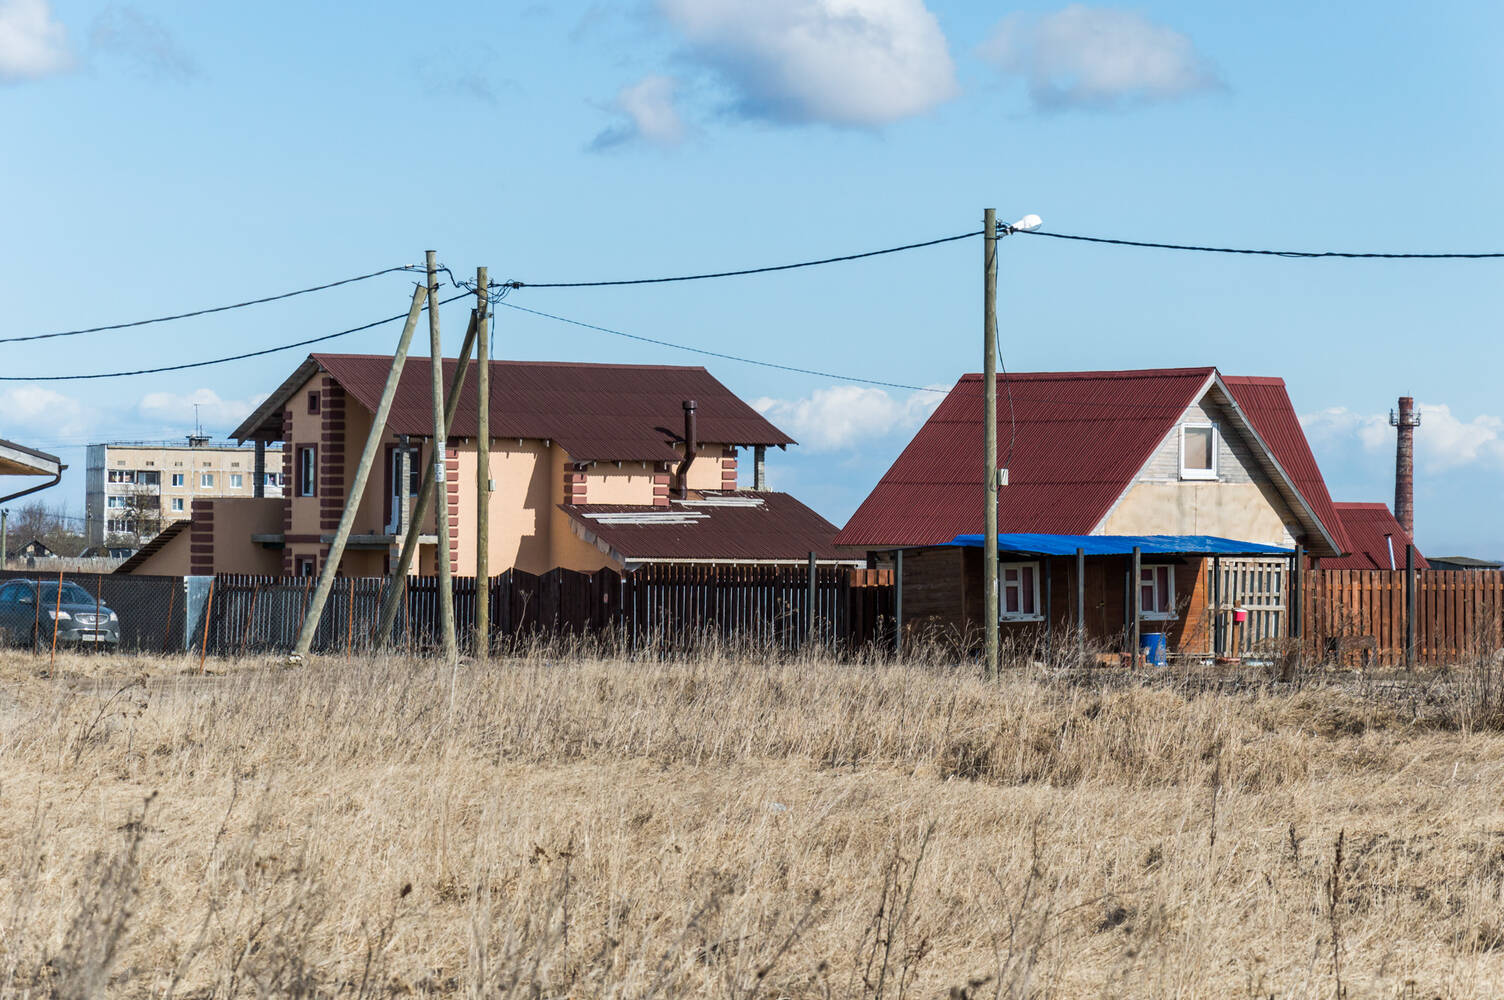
{"points": [[113, 618], [60, 616]]}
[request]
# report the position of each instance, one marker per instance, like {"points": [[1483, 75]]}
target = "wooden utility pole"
{"points": [[440, 480], [482, 466], [414, 525], [358, 485], [991, 607]]}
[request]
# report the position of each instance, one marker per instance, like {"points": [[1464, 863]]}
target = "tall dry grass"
{"points": [[577, 826]]}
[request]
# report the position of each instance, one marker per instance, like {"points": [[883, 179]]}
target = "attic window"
{"points": [[1198, 451], [313, 402]]}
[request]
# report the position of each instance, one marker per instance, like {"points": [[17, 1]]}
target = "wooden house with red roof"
{"points": [[591, 466], [1105, 462]]}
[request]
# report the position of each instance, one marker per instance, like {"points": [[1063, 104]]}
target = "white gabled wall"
{"points": [[1242, 503]]}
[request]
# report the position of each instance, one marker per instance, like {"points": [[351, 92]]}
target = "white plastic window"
{"points": [[1156, 585], [1018, 591], [1198, 451]]}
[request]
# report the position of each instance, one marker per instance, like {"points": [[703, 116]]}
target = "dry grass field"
{"points": [[580, 827]]}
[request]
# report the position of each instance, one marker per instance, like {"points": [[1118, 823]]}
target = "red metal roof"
{"points": [[780, 528], [1369, 528], [1267, 405], [596, 412], [1080, 439]]}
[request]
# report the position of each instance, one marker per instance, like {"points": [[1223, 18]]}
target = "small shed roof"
{"points": [[1463, 562], [1371, 530], [1122, 545], [745, 526]]}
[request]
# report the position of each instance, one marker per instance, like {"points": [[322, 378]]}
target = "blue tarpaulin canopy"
{"points": [[1122, 545]]}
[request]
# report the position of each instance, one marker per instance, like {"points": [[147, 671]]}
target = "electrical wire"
{"points": [[1306, 254], [212, 309], [219, 361], [736, 274], [725, 357]]}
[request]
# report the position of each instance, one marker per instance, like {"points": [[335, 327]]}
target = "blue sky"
{"points": [[168, 156]]}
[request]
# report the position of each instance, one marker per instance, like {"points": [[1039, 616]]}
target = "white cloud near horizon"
{"points": [[32, 42], [218, 415], [1443, 441], [1097, 57], [860, 63], [37, 411], [651, 115], [841, 417]]}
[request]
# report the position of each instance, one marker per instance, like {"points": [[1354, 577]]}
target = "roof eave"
{"points": [[252, 427]]}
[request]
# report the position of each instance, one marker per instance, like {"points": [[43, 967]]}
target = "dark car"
{"points": [[28, 609]]}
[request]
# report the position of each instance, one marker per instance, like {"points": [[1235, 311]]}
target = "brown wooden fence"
{"points": [[1357, 617], [666, 607]]}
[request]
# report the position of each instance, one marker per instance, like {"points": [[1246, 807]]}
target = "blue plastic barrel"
{"points": [[1152, 647]]}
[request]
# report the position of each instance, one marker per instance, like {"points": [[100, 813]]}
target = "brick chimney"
{"points": [[1405, 420]]}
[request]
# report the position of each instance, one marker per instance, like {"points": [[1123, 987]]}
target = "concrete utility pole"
{"points": [[413, 525], [991, 607], [1405, 421], [440, 480], [358, 486], [482, 467]]}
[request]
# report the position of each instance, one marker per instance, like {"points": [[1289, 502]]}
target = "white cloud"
{"points": [[843, 62], [1097, 57], [143, 41], [32, 42], [842, 416], [651, 114], [32, 410], [175, 410], [1443, 441]]}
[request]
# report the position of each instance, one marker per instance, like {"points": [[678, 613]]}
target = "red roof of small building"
{"points": [[1077, 441], [595, 412], [761, 527], [1370, 528]]}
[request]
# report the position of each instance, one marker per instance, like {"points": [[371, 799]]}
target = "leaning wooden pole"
{"points": [[440, 480], [397, 584], [358, 485], [482, 466]]}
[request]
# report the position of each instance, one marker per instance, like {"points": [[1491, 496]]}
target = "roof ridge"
{"points": [[428, 359], [1123, 373]]}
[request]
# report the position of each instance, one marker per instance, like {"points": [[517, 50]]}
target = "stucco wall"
{"points": [[1231, 510], [235, 520], [170, 560]]}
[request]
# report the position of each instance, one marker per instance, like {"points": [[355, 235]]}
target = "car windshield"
{"points": [[72, 594]]}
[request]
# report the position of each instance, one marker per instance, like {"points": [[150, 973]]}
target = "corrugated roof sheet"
{"points": [[781, 529], [1267, 404], [1368, 528], [1122, 545], [1080, 438], [596, 412]]}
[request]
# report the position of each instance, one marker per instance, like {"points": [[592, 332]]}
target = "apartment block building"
{"points": [[132, 485]]}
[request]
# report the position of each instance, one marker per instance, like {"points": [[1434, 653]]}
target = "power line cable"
{"points": [[1307, 254], [218, 361], [736, 274], [205, 312], [726, 357]]}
